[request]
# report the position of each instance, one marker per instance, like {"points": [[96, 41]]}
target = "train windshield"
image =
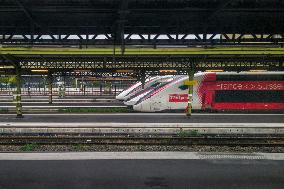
{"points": [[144, 90], [161, 85], [139, 85]]}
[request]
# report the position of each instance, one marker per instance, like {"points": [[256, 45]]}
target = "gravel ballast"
{"points": [[133, 148]]}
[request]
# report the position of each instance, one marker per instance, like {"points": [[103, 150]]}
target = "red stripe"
{"points": [[248, 106]]}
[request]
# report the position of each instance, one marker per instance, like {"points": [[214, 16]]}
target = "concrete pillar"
{"points": [[50, 81], [190, 91], [18, 98]]}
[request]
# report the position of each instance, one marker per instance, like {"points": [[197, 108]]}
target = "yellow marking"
{"points": [[214, 70], [124, 71], [193, 82], [134, 51]]}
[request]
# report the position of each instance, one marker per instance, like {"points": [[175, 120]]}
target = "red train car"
{"points": [[239, 91]]}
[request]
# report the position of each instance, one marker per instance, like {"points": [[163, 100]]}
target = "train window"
{"points": [[249, 96], [267, 77], [155, 84], [183, 87]]}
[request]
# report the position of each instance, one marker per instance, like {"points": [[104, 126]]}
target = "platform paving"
{"points": [[171, 173], [144, 123], [145, 118]]}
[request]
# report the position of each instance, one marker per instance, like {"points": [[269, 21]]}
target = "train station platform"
{"points": [[143, 123], [122, 170]]}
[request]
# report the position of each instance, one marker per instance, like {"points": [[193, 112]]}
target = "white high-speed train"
{"points": [[218, 91], [140, 94], [124, 95], [171, 95]]}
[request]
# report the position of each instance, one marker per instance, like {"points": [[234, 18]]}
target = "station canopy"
{"points": [[129, 24], [140, 21]]}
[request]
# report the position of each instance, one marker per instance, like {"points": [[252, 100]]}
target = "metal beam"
{"points": [[58, 52], [200, 63], [119, 34], [201, 39], [50, 82], [18, 97]]}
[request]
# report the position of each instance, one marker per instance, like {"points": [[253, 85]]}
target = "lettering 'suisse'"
{"points": [[249, 86]]}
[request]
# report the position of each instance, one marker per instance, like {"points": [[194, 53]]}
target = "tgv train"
{"points": [[124, 95], [136, 88], [135, 96], [218, 91]]}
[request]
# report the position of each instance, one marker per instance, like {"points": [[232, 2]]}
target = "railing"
{"points": [[67, 92]]}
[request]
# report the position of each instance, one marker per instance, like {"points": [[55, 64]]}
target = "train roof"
{"points": [[244, 73]]}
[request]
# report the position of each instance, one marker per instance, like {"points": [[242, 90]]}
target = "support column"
{"points": [[50, 81], [19, 109], [190, 91]]}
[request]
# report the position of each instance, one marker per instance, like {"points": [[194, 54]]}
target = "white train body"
{"points": [[133, 89], [121, 96], [133, 100], [170, 96], [152, 85]]}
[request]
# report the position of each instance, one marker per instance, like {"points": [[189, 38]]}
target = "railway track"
{"points": [[155, 140]]}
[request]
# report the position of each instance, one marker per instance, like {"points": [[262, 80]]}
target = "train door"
{"points": [[157, 104], [208, 100]]}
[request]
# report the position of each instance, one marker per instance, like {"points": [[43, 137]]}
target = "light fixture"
{"points": [[167, 71], [258, 70], [44, 71], [214, 70], [124, 71], [82, 70], [6, 67]]}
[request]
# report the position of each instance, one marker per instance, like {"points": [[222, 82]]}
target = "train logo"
{"points": [[178, 97]]}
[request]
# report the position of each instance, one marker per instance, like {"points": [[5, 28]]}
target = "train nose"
{"points": [[137, 108], [119, 97], [130, 102]]}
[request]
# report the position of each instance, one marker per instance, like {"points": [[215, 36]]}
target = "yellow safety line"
{"points": [[145, 51]]}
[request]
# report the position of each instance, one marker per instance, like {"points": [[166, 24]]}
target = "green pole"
{"points": [[50, 79], [190, 91], [19, 109]]}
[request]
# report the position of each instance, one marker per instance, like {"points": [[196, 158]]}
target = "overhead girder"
{"points": [[95, 73], [153, 62], [151, 39]]}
